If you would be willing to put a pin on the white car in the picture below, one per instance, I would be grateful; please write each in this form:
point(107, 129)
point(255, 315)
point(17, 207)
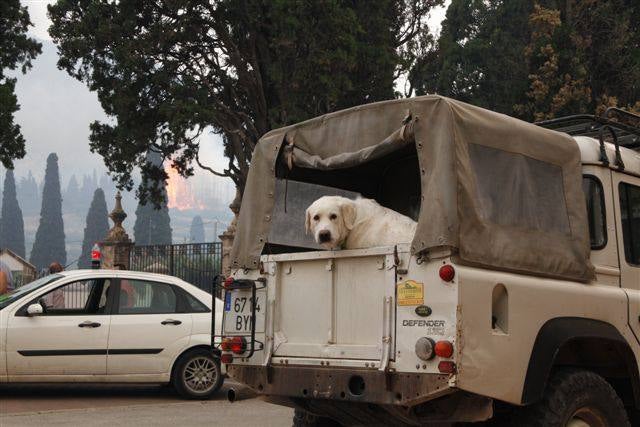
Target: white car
point(110, 326)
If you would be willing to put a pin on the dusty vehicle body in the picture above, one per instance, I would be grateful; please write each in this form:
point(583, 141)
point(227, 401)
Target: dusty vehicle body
point(508, 266)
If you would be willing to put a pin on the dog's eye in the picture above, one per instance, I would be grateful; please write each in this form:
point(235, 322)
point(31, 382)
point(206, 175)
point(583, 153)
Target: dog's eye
point(333, 216)
point(316, 217)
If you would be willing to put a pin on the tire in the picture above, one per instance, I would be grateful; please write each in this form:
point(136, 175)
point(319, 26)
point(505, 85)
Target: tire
point(303, 418)
point(197, 374)
point(574, 398)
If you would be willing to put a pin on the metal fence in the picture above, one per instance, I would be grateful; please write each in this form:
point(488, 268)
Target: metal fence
point(196, 263)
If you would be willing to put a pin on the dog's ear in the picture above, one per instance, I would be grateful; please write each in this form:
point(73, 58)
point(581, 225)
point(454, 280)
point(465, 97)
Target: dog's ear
point(307, 222)
point(348, 210)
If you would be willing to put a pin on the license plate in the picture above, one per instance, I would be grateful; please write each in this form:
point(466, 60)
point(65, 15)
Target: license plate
point(237, 309)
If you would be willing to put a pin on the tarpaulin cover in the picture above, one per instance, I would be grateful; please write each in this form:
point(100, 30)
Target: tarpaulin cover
point(500, 192)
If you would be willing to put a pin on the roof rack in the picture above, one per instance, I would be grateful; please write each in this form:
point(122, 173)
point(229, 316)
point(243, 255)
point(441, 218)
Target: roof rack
point(623, 125)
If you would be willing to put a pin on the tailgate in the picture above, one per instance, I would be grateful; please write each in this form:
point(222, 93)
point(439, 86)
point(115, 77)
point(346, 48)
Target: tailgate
point(331, 304)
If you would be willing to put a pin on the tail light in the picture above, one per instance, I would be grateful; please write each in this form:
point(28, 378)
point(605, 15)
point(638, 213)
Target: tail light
point(447, 367)
point(228, 282)
point(444, 349)
point(238, 345)
point(447, 272)
point(226, 358)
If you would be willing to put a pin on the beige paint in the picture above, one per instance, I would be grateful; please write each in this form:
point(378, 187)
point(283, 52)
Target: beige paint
point(614, 297)
point(630, 274)
point(495, 364)
point(605, 260)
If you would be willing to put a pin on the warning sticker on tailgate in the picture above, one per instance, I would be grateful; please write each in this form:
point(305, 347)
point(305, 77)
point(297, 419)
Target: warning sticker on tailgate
point(410, 292)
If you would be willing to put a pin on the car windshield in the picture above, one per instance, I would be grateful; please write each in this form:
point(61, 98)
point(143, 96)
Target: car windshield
point(14, 295)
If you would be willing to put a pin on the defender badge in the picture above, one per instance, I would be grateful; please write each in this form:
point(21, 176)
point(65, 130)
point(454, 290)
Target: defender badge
point(423, 310)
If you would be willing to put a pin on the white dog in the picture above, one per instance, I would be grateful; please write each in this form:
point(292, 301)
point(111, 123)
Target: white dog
point(337, 222)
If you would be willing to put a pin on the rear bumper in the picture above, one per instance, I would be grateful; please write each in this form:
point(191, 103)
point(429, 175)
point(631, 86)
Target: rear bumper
point(344, 384)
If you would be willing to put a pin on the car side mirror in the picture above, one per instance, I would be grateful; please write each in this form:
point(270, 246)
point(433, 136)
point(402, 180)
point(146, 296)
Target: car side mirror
point(34, 310)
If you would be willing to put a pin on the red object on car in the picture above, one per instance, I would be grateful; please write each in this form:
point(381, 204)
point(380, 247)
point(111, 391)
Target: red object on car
point(444, 349)
point(447, 273)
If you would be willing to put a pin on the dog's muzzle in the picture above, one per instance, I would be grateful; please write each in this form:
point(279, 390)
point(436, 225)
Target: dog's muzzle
point(324, 236)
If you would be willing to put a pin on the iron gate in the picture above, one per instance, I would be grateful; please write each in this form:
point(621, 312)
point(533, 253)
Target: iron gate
point(196, 263)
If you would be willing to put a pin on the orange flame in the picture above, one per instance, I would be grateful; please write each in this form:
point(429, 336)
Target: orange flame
point(179, 192)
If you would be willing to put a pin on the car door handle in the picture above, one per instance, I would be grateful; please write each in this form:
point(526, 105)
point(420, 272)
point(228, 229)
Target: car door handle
point(89, 324)
point(171, 322)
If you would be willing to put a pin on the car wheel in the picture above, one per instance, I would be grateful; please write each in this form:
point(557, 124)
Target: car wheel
point(575, 399)
point(197, 374)
point(302, 418)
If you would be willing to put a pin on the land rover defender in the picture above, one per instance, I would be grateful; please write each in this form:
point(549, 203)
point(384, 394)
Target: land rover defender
point(518, 299)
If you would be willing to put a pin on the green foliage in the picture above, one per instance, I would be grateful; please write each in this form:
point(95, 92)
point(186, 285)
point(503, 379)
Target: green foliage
point(16, 51)
point(49, 244)
point(96, 229)
point(11, 222)
point(536, 60)
point(478, 57)
point(153, 224)
point(168, 71)
point(607, 36)
point(196, 232)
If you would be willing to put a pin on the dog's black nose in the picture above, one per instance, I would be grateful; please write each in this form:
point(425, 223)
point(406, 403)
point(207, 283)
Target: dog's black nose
point(324, 236)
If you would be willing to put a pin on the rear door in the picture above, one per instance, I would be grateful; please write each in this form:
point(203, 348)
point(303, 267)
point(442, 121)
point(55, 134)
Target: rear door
point(333, 307)
point(627, 191)
point(148, 328)
point(69, 338)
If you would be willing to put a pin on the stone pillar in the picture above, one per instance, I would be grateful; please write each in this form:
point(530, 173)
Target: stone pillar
point(227, 237)
point(116, 247)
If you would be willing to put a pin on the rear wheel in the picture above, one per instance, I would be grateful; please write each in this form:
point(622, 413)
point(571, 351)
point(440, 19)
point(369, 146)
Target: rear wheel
point(197, 374)
point(575, 399)
point(303, 418)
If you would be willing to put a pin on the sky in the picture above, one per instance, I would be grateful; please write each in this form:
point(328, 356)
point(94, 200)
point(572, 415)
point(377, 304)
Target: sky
point(56, 110)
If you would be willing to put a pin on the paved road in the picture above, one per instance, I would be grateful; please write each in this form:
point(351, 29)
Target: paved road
point(89, 405)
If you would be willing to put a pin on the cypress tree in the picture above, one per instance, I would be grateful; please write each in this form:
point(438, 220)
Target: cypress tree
point(49, 244)
point(72, 198)
point(28, 195)
point(153, 225)
point(196, 233)
point(479, 55)
point(96, 229)
point(11, 222)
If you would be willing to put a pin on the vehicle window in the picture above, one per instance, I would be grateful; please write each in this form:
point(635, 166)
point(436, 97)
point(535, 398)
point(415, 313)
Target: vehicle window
point(518, 191)
point(142, 297)
point(630, 217)
point(594, 195)
point(81, 297)
point(194, 305)
point(16, 294)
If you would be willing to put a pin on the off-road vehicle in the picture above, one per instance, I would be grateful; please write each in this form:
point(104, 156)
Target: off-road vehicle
point(517, 301)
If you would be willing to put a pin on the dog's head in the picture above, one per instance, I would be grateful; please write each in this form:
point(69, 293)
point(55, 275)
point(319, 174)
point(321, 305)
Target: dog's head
point(329, 219)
